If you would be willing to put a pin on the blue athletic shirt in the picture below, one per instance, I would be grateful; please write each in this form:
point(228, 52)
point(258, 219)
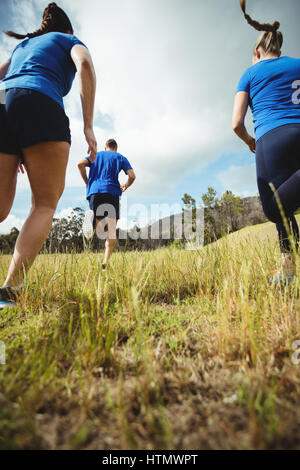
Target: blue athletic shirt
point(44, 64)
point(270, 86)
point(104, 173)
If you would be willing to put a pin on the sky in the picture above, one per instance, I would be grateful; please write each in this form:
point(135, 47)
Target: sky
point(167, 71)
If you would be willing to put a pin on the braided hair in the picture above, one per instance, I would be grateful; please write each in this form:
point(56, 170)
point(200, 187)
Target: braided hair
point(271, 40)
point(54, 19)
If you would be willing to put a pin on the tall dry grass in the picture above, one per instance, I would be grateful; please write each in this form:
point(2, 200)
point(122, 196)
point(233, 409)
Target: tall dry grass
point(167, 349)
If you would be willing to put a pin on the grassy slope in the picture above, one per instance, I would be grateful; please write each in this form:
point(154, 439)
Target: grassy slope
point(256, 233)
point(170, 349)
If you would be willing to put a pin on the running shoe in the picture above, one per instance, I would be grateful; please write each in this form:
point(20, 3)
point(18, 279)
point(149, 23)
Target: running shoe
point(4, 305)
point(8, 296)
point(280, 279)
point(87, 226)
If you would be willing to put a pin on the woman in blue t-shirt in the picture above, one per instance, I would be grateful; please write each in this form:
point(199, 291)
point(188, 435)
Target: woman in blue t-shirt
point(271, 88)
point(34, 128)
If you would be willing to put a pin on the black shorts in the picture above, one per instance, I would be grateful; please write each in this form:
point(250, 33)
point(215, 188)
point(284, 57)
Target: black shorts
point(105, 205)
point(29, 117)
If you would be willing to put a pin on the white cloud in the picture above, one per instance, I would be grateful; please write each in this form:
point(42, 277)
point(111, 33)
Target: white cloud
point(170, 116)
point(13, 221)
point(167, 72)
point(241, 180)
point(9, 223)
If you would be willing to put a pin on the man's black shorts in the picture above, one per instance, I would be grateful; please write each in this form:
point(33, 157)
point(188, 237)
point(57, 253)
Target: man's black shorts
point(105, 205)
point(29, 117)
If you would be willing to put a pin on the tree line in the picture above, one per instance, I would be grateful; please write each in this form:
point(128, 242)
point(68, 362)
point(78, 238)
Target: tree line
point(222, 215)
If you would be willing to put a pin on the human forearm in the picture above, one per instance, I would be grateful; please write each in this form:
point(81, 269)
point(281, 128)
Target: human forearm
point(242, 133)
point(130, 181)
point(241, 103)
point(87, 86)
point(82, 171)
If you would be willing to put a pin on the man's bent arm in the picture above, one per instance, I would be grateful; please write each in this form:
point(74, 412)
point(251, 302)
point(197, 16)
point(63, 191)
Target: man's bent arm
point(82, 169)
point(131, 179)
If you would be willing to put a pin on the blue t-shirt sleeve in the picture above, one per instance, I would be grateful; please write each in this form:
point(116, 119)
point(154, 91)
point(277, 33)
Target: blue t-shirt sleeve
point(77, 41)
point(125, 165)
point(11, 55)
point(88, 159)
point(244, 83)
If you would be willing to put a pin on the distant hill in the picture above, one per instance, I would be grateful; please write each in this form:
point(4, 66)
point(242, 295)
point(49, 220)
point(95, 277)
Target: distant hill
point(158, 233)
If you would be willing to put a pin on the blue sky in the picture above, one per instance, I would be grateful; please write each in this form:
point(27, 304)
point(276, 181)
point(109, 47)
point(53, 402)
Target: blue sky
point(167, 72)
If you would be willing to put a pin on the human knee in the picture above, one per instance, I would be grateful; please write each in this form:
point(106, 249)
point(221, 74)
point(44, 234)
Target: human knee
point(272, 212)
point(45, 209)
point(47, 203)
point(111, 241)
point(3, 214)
point(273, 216)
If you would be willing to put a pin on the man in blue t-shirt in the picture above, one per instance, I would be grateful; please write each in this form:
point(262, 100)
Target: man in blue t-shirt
point(103, 193)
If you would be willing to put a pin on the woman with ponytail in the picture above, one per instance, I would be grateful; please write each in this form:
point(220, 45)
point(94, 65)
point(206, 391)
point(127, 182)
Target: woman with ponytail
point(34, 128)
point(268, 87)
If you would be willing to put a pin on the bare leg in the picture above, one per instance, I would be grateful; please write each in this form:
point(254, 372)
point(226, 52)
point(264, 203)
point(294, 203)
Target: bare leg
point(109, 248)
point(288, 264)
point(46, 167)
point(8, 170)
point(109, 226)
point(111, 239)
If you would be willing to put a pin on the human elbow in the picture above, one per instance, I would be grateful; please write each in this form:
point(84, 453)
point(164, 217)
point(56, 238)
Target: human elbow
point(85, 66)
point(237, 126)
point(83, 61)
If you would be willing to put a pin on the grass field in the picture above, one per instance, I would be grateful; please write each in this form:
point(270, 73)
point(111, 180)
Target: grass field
point(168, 349)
